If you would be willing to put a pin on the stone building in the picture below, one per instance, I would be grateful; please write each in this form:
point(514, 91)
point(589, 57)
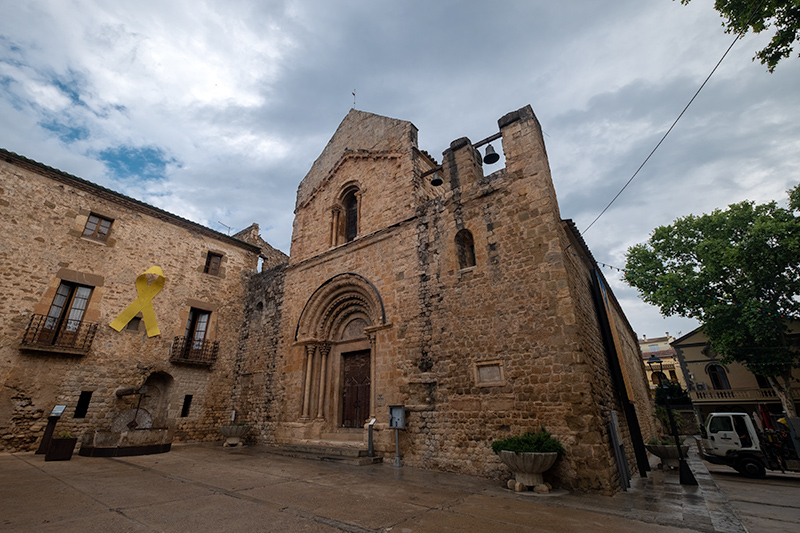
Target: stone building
point(473, 305)
point(74, 257)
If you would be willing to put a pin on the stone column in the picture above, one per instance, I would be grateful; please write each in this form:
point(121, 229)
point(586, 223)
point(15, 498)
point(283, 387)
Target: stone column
point(358, 212)
point(324, 350)
point(372, 373)
point(307, 392)
point(335, 226)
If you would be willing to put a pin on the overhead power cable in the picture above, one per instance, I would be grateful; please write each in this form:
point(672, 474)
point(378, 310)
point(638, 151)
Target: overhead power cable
point(738, 36)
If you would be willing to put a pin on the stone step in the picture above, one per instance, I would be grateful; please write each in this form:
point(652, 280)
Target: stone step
point(350, 436)
point(343, 453)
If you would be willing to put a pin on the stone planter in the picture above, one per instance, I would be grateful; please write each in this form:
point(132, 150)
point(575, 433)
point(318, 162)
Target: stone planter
point(233, 434)
point(528, 467)
point(668, 453)
point(60, 449)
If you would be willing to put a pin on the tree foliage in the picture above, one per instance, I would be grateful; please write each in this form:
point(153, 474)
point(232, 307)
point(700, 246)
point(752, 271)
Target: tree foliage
point(672, 391)
point(736, 271)
point(760, 15)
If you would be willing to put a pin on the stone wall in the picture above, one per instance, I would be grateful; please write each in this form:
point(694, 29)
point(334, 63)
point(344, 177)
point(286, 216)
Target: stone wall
point(475, 353)
point(42, 216)
point(257, 393)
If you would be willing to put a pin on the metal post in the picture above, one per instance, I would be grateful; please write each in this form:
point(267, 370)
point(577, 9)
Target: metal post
point(370, 447)
point(48, 434)
point(686, 476)
point(397, 462)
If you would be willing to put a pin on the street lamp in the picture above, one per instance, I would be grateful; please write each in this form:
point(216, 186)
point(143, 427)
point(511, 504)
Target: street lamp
point(686, 476)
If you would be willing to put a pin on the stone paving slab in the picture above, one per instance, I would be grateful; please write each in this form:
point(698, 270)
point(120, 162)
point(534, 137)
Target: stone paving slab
point(206, 487)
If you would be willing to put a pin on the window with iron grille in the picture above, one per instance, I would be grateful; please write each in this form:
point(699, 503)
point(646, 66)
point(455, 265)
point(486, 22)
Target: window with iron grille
point(195, 347)
point(63, 327)
point(97, 228)
point(66, 311)
point(213, 262)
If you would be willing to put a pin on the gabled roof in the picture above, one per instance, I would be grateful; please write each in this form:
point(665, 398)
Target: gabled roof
point(358, 131)
point(684, 340)
point(108, 194)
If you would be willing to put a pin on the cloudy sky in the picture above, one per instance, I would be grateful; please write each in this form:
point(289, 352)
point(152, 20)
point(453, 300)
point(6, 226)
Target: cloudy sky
point(215, 110)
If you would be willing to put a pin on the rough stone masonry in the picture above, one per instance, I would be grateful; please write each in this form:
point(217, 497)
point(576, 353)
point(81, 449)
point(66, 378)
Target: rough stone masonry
point(472, 305)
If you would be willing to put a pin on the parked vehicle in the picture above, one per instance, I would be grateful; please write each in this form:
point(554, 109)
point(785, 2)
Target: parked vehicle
point(752, 445)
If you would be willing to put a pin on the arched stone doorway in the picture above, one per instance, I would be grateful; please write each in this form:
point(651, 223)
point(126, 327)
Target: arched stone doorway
point(336, 329)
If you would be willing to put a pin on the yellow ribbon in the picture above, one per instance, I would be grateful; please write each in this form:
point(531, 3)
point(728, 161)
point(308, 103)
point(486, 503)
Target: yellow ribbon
point(144, 303)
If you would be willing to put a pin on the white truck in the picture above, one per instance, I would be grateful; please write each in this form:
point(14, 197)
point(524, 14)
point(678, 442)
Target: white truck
point(751, 446)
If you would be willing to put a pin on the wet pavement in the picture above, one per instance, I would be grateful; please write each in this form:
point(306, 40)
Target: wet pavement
point(769, 505)
point(205, 487)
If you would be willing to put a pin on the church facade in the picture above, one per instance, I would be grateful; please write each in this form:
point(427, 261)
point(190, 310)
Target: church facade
point(471, 306)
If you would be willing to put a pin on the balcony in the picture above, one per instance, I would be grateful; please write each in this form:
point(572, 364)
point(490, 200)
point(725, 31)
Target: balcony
point(192, 352)
point(737, 396)
point(44, 334)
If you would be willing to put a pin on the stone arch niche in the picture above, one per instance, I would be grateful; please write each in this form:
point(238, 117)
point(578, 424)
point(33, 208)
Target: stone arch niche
point(336, 329)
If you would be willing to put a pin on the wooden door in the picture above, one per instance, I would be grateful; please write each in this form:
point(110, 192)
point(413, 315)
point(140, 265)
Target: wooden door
point(355, 390)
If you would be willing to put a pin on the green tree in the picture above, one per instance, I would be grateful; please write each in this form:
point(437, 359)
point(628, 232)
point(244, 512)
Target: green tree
point(759, 15)
point(736, 271)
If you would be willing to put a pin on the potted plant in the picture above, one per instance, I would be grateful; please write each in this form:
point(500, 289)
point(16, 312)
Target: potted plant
point(61, 447)
point(663, 446)
point(233, 433)
point(528, 456)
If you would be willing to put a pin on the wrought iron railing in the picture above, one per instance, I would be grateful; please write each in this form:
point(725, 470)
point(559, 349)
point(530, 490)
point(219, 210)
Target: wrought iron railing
point(47, 333)
point(190, 351)
point(737, 395)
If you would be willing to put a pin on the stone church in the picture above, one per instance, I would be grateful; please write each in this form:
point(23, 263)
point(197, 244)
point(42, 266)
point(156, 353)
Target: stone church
point(458, 295)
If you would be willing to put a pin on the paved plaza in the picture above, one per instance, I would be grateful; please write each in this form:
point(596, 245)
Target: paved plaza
point(205, 487)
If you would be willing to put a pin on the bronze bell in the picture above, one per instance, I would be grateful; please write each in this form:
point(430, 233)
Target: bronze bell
point(491, 156)
point(436, 180)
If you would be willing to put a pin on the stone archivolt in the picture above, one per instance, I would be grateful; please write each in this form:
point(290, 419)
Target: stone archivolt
point(335, 303)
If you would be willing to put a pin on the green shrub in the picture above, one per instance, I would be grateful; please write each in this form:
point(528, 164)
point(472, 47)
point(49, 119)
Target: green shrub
point(677, 396)
point(663, 419)
point(541, 442)
point(662, 441)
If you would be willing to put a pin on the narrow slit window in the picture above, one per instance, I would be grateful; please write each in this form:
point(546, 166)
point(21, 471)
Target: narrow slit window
point(187, 404)
point(83, 404)
point(465, 249)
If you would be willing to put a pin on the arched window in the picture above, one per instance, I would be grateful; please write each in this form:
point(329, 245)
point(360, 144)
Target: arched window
point(763, 383)
point(718, 376)
point(350, 206)
point(657, 378)
point(465, 249)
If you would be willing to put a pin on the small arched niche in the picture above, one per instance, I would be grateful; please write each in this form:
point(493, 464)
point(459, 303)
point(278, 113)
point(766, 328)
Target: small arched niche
point(465, 249)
